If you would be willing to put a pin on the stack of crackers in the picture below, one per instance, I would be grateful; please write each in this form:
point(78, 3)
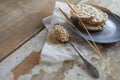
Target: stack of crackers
point(93, 18)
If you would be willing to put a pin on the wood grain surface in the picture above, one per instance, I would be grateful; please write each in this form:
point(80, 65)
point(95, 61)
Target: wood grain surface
point(20, 20)
point(58, 75)
point(26, 65)
point(33, 59)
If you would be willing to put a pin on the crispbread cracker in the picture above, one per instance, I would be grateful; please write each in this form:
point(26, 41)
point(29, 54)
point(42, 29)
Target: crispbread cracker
point(92, 27)
point(90, 14)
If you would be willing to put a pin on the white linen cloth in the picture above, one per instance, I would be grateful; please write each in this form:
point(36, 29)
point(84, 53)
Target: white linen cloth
point(53, 52)
point(56, 55)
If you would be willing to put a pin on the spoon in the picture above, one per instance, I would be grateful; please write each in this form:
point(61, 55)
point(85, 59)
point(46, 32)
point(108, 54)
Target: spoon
point(90, 68)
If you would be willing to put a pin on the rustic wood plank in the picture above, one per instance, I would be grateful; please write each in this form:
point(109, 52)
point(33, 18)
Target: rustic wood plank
point(58, 75)
point(20, 20)
point(26, 65)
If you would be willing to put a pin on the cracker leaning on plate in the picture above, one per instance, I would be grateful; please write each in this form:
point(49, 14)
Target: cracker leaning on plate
point(93, 18)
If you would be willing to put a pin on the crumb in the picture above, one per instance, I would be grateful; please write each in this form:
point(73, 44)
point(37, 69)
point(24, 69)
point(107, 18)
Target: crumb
point(60, 45)
point(69, 49)
point(93, 59)
point(17, 57)
point(66, 72)
point(83, 68)
point(79, 65)
point(78, 74)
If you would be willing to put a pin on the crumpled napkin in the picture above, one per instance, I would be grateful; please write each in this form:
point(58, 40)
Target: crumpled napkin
point(53, 53)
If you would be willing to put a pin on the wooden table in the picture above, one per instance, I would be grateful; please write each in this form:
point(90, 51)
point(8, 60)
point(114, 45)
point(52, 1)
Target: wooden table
point(22, 34)
point(20, 20)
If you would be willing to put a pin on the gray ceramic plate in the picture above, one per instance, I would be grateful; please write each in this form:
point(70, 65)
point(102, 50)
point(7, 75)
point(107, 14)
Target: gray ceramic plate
point(110, 34)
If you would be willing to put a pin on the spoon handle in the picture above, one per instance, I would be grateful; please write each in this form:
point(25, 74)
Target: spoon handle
point(91, 69)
